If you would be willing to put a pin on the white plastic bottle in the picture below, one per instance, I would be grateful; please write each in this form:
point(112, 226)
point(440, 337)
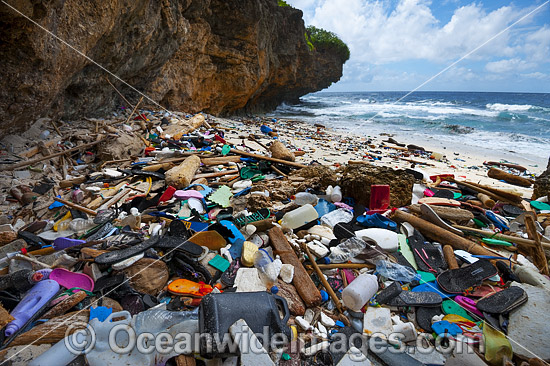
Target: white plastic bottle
point(299, 217)
point(336, 194)
point(360, 291)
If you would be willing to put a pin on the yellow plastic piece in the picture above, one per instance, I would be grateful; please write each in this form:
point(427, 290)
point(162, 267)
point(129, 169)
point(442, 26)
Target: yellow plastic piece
point(496, 345)
point(67, 216)
point(247, 256)
point(210, 239)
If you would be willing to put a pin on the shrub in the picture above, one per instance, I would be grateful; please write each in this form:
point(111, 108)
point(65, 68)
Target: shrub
point(323, 40)
point(283, 3)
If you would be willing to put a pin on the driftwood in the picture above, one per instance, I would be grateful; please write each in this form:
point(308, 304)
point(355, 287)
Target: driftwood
point(303, 283)
point(439, 234)
point(279, 151)
point(182, 175)
point(486, 200)
point(489, 191)
point(450, 258)
point(509, 178)
point(267, 158)
point(447, 213)
point(75, 206)
point(51, 156)
point(539, 258)
point(507, 165)
point(221, 160)
point(512, 239)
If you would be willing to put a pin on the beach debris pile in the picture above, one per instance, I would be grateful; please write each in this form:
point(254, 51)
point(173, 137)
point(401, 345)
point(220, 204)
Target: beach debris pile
point(220, 242)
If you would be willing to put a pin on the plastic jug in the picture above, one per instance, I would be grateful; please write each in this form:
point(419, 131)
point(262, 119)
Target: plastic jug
point(217, 312)
point(299, 217)
point(360, 291)
point(37, 297)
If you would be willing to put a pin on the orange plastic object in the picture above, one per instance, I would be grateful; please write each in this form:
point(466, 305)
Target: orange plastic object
point(189, 288)
point(210, 239)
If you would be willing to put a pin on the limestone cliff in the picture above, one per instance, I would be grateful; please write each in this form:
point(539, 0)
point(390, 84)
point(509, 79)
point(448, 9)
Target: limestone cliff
point(216, 56)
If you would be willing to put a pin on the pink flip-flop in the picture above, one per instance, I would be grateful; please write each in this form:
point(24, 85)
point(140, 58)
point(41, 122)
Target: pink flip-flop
point(70, 279)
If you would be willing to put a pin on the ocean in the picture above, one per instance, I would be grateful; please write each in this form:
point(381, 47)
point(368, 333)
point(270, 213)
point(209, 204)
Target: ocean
point(517, 123)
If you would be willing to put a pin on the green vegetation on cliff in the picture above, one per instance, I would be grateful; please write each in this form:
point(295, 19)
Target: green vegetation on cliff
point(283, 3)
point(324, 40)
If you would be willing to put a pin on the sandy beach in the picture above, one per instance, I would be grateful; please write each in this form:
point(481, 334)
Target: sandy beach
point(331, 147)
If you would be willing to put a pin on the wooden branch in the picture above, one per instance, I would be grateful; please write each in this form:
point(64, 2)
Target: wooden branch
point(509, 178)
point(512, 239)
point(267, 158)
point(75, 206)
point(217, 174)
point(51, 156)
point(539, 258)
point(303, 283)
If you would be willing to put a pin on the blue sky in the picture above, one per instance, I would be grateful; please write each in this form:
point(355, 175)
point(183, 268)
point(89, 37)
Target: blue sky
point(399, 44)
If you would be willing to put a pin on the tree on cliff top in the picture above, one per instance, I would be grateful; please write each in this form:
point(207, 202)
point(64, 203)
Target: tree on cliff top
point(324, 40)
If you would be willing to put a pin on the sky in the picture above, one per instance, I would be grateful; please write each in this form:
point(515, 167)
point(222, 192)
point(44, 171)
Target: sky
point(400, 44)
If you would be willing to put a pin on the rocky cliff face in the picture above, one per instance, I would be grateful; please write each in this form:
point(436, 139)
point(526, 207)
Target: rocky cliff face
point(216, 56)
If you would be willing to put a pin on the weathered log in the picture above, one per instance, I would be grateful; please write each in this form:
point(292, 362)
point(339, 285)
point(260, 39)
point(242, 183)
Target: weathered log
point(447, 213)
point(267, 158)
point(221, 160)
point(439, 234)
point(450, 258)
point(509, 178)
point(303, 283)
point(182, 175)
point(487, 201)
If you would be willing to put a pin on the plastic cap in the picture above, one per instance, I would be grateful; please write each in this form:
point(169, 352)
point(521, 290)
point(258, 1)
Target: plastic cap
point(324, 296)
point(274, 289)
point(340, 324)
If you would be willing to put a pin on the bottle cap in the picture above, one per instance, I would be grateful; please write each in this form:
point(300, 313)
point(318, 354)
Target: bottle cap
point(274, 290)
point(324, 296)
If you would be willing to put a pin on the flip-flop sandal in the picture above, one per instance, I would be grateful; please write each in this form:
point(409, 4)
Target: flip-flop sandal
point(388, 293)
point(469, 258)
point(452, 307)
point(402, 260)
point(259, 215)
point(108, 282)
point(179, 229)
point(194, 267)
point(443, 193)
point(512, 211)
point(429, 214)
point(424, 316)
point(484, 291)
point(210, 239)
point(122, 254)
point(410, 298)
point(428, 257)
point(377, 221)
point(497, 221)
point(457, 281)
point(70, 279)
point(100, 232)
point(506, 272)
point(503, 301)
point(469, 305)
point(174, 243)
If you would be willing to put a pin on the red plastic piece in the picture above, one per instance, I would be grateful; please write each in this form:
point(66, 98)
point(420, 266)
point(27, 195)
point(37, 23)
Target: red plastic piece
point(379, 198)
point(167, 194)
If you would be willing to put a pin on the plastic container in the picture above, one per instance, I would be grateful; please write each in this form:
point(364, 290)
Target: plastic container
point(260, 311)
point(336, 194)
point(379, 197)
point(267, 270)
point(37, 296)
point(360, 291)
point(396, 271)
point(299, 217)
point(346, 250)
point(303, 198)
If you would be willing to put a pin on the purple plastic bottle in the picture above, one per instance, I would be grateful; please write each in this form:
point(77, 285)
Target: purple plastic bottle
point(37, 296)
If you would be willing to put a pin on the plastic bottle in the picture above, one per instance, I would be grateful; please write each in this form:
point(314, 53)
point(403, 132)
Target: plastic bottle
point(267, 270)
point(299, 217)
point(336, 194)
point(303, 198)
point(360, 291)
point(396, 271)
point(80, 225)
point(346, 250)
point(337, 216)
point(37, 296)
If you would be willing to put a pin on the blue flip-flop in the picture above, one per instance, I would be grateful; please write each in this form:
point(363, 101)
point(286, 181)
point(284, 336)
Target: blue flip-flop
point(377, 220)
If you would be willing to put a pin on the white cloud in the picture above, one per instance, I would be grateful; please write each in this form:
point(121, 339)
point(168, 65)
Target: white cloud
point(536, 75)
point(378, 34)
point(509, 65)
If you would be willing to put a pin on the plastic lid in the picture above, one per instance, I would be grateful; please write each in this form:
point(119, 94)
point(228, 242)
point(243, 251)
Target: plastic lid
point(324, 296)
point(226, 149)
point(274, 289)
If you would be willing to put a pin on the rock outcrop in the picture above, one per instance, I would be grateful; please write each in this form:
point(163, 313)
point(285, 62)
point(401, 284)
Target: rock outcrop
point(216, 56)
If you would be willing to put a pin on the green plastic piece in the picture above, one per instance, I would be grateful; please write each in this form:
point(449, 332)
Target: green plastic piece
point(479, 223)
point(220, 263)
point(405, 249)
point(496, 242)
point(426, 277)
point(457, 195)
point(543, 206)
point(226, 149)
point(249, 172)
point(451, 307)
point(221, 196)
point(285, 357)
